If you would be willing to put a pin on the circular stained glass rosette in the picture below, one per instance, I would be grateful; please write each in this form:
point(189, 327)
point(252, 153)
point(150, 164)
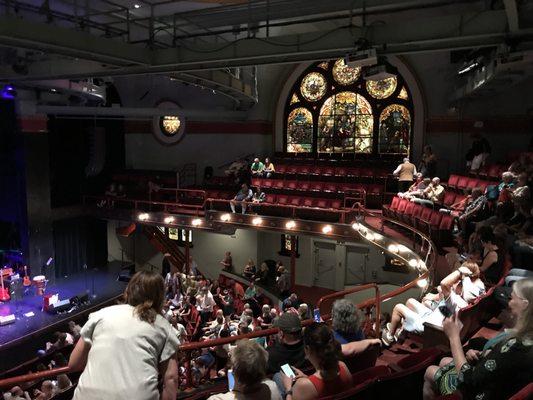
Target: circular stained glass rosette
point(381, 89)
point(313, 86)
point(344, 74)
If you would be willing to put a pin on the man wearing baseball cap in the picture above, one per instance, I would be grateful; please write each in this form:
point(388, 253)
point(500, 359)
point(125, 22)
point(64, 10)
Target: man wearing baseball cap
point(289, 348)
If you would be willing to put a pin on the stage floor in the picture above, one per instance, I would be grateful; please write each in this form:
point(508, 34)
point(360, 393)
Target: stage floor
point(106, 287)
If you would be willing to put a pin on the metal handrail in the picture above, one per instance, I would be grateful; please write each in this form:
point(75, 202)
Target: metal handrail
point(17, 380)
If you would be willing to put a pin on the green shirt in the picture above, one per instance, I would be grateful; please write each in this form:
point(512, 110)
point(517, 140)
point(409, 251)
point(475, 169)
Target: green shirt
point(259, 166)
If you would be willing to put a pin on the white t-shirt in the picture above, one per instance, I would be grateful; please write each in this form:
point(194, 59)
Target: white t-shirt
point(124, 356)
point(268, 391)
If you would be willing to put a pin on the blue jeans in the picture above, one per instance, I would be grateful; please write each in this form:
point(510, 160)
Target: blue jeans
point(279, 382)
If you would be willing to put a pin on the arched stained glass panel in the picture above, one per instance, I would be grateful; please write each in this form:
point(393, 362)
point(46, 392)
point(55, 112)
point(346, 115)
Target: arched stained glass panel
point(345, 124)
point(383, 88)
point(403, 94)
point(323, 65)
point(394, 130)
point(300, 131)
point(344, 74)
point(313, 86)
point(294, 99)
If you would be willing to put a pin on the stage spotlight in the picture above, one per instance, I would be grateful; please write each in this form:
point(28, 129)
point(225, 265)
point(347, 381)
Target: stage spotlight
point(290, 225)
point(169, 220)
point(327, 229)
point(196, 222)
point(136, 6)
point(143, 216)
point(393, 248)
point(257, 221)
point(9, 92)
point(413, 262)
point(422, 283)
point(225, 217)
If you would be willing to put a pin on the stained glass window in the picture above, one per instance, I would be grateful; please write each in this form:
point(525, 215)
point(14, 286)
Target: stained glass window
point(345, 124)
point(313, 86)
point(394, 129)
point(381, 89)
point(300, 131)
point(344, 74)
point(333, 109)
point(294, 99)
point(403, 94)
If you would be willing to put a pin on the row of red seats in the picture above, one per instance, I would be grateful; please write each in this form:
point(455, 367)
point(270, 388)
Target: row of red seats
point(437, 225)
point(493, 171)
point(460, 182)
point(306, 186)
point(328, 170)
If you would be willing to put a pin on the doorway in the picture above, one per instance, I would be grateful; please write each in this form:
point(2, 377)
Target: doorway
point(324, 264)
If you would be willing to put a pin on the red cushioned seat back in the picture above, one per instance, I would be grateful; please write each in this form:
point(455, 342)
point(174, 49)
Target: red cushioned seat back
point(360, 362)
point(282, 199)
point(494, 171)
point(394, 203)
point(417, 211)
point(318, 186)
point(278, 184)
point(425, 215)
point(408, 212)
point(322, 203)
point(308, 202)
point(462, 182)
point(330, 187)
point(256, 182)
point(435, 218)
point(366, 172)
point(472, 183)
point(352, 171)
point(294, 201)
point(304, 185)
point(482, 184)
point(340, 171)
point(524, 394)
point(270, 198)
point(291, 185)
point(328, 171)
point(281, 168)
point(449, 198)
point(452, 181)
point(292, 169)
point(304, 169)
point(402, 205)
point(316, 170)
point(446, 223)
point(336, 203)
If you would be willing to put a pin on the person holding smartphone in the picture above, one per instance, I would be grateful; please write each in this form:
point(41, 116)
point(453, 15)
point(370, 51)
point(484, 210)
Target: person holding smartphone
point(247, 379)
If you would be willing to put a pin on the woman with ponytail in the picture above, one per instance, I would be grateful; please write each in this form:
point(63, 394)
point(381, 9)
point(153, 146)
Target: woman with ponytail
point(331, 376)
point(126, 351)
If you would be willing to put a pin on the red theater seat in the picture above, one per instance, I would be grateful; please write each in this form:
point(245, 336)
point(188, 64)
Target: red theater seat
point(336, 203)
point(294, 201)
point(281, 168)
point(256, 182)
point(472, 183)
point(330, 187)
point(270, 198)
point(352, 172)
point(267, 183)
point(329, 171)
point(494, 171)
point(292, 169)
point(388, 210)
point(417, 211)
point(462, 182)
point(304, 185)
point(282, 199)
point(308, 202)
point(484, 184)
point(322, 203)
point(401, 208)
point(316, 170)
point(317, 186)
point(305, 169)
point(340, 171)
point(424, 217)
point(452, 181)
point(291, 185)
point(449, 198)
point(408, 213)
point(278, 184)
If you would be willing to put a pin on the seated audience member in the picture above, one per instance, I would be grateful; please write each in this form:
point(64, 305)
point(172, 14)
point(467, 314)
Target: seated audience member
point(262, 274)
point(332, 375)
point(291, 302)
point(257, 167)
point(303, 312)
point(507, 181)
point(501, 369)
point(474, 211)
point(258, 197)
point(269, 168)
point(243, 195)
point(289, 347)
point(63, 382)
point(212, 328)
point(134, 336)
point(192, 267)
point(492, 261)
point(47, 391)
point(457, 208)
point(16, 393)
point(346, 321)
point(265, 319)
point(458, 289)
point(227, 262)
point(521, 198)
point(228, 303)
point(283, 281)
point(417, 188)
point(249, 269)
point(62, 339)
point(250, 292)
point(249, 366)
point(434, 193)
point(74, 329)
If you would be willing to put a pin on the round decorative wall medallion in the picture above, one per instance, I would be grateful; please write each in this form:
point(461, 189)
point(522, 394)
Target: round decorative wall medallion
point(168, 129)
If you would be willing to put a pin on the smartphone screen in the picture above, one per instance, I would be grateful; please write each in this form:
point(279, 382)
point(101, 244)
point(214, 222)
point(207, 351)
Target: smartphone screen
point(231, 380)
point(316, 315)
point(287, 370)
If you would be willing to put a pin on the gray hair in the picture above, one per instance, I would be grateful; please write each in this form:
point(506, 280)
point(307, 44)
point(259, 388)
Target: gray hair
point(249, 362)
point(346, 317)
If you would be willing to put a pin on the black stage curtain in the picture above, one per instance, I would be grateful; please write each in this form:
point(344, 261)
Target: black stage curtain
point(79, 241)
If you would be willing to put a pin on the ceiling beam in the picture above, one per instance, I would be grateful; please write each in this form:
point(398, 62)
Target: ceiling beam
point(16, 32)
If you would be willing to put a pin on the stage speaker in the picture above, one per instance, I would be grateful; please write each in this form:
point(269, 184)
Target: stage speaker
point(60, 306)
point(8, 319)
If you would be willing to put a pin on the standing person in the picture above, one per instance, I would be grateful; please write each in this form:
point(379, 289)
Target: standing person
point(405, 172)
point(205, 303)
point(124, 348)
point(227, 262)
point(193, 267)
point(283, 281)
point(428, 163)
point(478, 153)
point(165, 265)
point(243, 195)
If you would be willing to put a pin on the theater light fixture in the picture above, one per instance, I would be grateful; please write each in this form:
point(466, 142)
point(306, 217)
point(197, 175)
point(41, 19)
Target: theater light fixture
point(402, 248)
point(413, 262)
point(422, 265)
point(143, 217)
point(377, 236)
point(196, 222)
point(422, 283)
point(169, 220)
point(356, 226)
point(370, 236)
point(327, 229)
point(257, 221)
point(393, 248)
point(290, 225)
point(225, 217)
